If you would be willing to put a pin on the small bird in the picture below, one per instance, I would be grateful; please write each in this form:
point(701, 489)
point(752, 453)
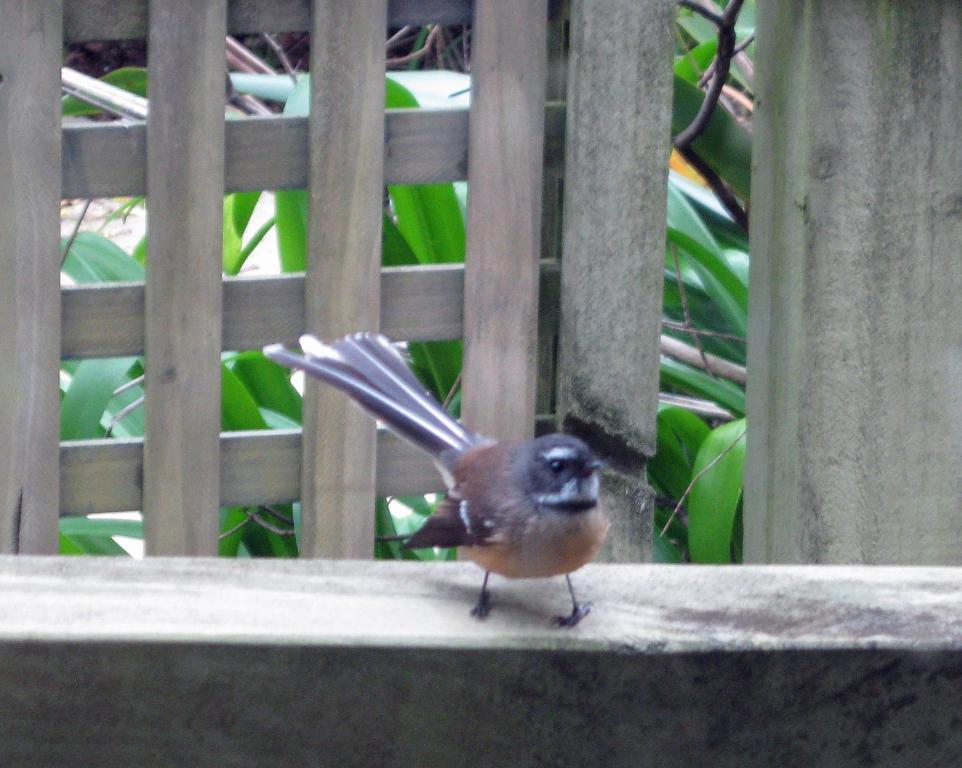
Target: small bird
point(520, 508)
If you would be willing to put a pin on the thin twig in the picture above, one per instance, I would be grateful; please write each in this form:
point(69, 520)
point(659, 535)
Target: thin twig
point(684, 306)
point(244, 58)
point(696, 405)
point(124, 413)
point(128, 385)
point(269, 526)
point(452, 392)
point(685, 327)
point(719, 186)
point(701, 10)
point(395, 40)
point(274, 511)
point(234, 529)
point(281, 55)
point(723, 61)
point(420, 53)
point(720, 367)
point(696, 478)
point(73, 235)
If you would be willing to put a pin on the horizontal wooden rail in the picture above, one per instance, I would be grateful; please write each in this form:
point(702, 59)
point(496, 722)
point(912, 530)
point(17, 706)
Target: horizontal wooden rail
point(109, 20)
point(423, 303)
point(256, 468)
point(421, 146)
point(732, 666)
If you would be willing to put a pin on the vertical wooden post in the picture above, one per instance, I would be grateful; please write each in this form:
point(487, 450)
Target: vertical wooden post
point(185, 189)
point(618, 141)
point(343, 266)
point(30, 50)
point(855, 334)
point(508, 66)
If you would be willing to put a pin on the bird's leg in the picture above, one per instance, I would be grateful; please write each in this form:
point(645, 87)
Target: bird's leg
point(483, 606)
point(578, 610)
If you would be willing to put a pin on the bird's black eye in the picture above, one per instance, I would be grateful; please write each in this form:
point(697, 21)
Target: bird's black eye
point(556, 466)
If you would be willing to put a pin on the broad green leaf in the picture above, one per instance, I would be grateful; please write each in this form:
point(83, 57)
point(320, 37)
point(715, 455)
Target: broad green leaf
point(715, 497)
point(133, 79)
point(239, 409)
point(679, 377)
point(101, 527)
point(238, 209)
point(91, 388)
point(70, 547)
point(94, 259)
point(724, 144)
point(692, 64)
point(679, 436)
point(268, 384)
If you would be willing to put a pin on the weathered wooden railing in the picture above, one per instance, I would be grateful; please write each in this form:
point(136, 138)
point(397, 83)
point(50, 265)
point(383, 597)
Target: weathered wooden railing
point(229, 663)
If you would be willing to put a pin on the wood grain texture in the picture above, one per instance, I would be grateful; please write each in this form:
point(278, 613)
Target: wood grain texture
point(110, 20)
point(255, 468)
point(421, 147)
point(29, 263)
point(618, 136)
point(420, 303)
point(364, 664)
point(342, 283)
point(855, 322)
point(185, 171)
point(508, 70)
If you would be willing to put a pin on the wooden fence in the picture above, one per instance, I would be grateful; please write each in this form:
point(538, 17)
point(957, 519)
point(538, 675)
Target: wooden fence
point(183, 469)
point(743, 666)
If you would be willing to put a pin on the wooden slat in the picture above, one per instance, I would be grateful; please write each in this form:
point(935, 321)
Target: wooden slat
point(270, 662)
point(421, 147)
point(30, 33)
point(110, 20)
point(422, 303)
point(256, 468)
point(508, 68)
point(342, 293)
point(185, 166)
point(855, 385)
point(614, 254)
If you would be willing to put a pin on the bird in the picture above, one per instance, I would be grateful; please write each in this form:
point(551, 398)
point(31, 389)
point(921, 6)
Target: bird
point(517, 508)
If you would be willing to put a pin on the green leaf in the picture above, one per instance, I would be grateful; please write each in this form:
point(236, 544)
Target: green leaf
point(715, 497)
point(692, 64)
point(688, 234)
point(101, 527)
point(680, 434)
point(268, 384)
point(94, 259)
point(679, 377)
point(70, 547)
point(238, 209)
point(91, 388)
point(133, 79)
point(239, 409)
point(724, 144)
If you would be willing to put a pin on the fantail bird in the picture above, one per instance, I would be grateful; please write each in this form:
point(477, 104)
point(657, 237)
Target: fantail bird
point(522, 509)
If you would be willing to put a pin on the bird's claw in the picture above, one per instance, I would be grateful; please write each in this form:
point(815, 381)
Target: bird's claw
point(572, 619)
point(483, 607)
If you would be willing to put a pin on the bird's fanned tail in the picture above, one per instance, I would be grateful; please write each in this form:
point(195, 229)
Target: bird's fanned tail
point(369, 369)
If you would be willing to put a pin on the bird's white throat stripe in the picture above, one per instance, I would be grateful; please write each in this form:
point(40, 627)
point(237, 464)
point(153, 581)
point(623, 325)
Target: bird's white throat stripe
point(572, 491)
point(560, 452)
point(463, 513)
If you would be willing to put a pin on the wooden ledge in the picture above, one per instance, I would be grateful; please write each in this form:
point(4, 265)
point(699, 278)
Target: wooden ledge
point(237, 663)
point(637, 608)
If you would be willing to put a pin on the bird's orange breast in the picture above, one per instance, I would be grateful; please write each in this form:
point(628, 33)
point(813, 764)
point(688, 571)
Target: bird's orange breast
point(549, 544)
